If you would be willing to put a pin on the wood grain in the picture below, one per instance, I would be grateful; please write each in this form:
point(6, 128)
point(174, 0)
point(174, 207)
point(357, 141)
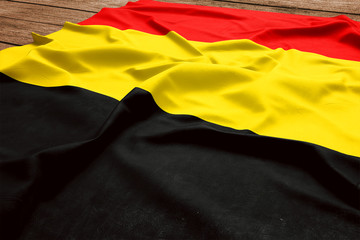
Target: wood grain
point(18, 18)
point(89, 5)
point(18, 32)
point(5, 45)
point(339, 6)
point(40, 13)
point(266, 8)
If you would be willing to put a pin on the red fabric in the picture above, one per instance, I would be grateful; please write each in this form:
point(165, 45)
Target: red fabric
point(337, 37)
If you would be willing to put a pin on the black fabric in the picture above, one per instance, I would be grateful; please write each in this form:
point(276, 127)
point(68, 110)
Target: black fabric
point(142, 173)
point(32, 120)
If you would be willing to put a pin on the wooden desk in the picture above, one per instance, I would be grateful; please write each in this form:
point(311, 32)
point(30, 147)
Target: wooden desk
point(18, 18)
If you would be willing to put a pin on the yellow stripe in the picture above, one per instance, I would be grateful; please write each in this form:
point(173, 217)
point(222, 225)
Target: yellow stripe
point(238, 83)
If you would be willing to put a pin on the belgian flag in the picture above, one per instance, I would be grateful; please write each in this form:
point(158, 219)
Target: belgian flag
point(172, 121)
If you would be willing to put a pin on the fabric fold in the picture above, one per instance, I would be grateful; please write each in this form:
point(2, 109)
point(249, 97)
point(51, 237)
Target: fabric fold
point(271, 92)
point(156, 172)
point(172, 121)
point(306, 33)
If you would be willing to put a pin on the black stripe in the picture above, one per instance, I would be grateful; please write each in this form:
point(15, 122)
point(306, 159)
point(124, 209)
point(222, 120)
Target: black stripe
point(147, 174)
point(32, 119)
point(43, 117)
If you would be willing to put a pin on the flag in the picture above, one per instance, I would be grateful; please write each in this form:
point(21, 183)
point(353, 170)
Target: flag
point(172, 121)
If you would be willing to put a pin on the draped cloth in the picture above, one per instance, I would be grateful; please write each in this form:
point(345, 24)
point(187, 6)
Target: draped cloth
point(173, 121)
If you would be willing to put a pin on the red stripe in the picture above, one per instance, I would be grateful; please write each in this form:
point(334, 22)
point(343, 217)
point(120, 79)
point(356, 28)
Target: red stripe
point(337, 37)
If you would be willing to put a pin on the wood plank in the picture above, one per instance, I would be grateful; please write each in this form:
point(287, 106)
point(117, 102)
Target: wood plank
point(5, 45)
point(18, 20)
point(18, 32)
point(41, 14)
point(89, 5)
point(339, 6)
point(230, 4)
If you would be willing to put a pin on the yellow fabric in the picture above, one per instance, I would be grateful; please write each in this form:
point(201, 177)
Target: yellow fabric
point(237, 83)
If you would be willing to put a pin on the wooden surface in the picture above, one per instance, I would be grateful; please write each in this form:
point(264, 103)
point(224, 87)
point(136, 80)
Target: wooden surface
point(18, 18)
